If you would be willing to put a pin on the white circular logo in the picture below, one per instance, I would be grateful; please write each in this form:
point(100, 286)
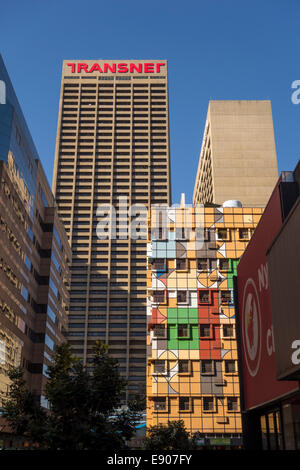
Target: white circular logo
point(251, 329)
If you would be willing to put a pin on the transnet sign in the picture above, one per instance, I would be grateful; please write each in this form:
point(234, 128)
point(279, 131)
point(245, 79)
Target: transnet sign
point(125, 67)
point(255, 314)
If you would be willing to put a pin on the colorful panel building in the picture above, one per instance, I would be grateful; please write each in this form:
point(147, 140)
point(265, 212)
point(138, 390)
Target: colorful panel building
point(192, 370)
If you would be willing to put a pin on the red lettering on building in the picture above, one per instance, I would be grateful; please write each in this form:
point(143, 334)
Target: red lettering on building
point(95, 68)
point(137, 68)
point(117, 68)
point(158, 66)
point(107, 67)
point(72, 65)
point(122, 68)
point(82, 67)
point(148, 68)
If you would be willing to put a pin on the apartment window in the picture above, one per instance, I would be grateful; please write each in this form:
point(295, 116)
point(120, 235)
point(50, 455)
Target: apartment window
point(159, 264)
point(228, 331)
point(179, 231)
point(223, 234)
point(207, 367)
point(202, 264)
point(183, 367)
point(160, 232)
point(183, 331)
point(205, 331)
point(203, 296)
point(182, 296)
point(159, 331)
point(224, 264)
point(185, 404)
point(181, 264)
point(159, 367)
point(208, 404)
point(243, 234)
point(232, 403)
point(158, 296)
point(225, 297)
point(230, 367)
point(160, 404)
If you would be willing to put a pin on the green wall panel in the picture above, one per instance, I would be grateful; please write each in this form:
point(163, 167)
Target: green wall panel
point(175, 343)
point(232, 272)
point(183, 315)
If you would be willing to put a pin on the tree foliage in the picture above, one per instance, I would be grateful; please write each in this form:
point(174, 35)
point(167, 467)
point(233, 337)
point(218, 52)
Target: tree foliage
point(84, 410)
point(172, 436)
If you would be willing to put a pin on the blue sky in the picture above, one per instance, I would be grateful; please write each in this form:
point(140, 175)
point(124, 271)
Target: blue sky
point(228, 49)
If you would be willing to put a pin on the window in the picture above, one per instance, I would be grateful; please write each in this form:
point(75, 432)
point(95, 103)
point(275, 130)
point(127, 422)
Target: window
point(159, 331)
point(49, 342)
point(182, 296)
point(206, 234)
point(76, 325)
point(44, 199)
point(25, 293)
point(202, 264)
point(51, 314)
point(179, 233)
point(243, 234)
point(205, 331)
point(232, 404)
point(207, 367)
point(224, 264)
point(183, 367)
point(222, 234)
point(183, 331)
point(55, 262)
point(160, 232)
point(208, 404)
point(181, 264)
point(53, 287)
point(184, 404)
point(160, 404)
point(230, 366)
point(159, 264)
point(158, 296)
point(203, 296)
point(228, 331)
point(225, 297)
point(18, 136)
point(159, 367)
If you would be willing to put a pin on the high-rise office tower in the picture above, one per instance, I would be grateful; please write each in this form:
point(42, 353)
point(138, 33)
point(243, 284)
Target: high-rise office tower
point(34, 255)
point(112, 141)
point(238, 156)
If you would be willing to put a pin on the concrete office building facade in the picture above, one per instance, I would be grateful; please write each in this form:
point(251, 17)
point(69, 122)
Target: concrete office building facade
point(112, 141)
point(34, 254)
point(238, 156)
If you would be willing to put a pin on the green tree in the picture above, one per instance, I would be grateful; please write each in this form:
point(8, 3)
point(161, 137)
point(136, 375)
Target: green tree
point(172, 436)
point(84, 410)
point(22, 409)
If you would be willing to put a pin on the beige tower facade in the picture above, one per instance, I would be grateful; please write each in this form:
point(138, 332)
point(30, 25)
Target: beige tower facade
point(112, 141)
point(238, 155)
